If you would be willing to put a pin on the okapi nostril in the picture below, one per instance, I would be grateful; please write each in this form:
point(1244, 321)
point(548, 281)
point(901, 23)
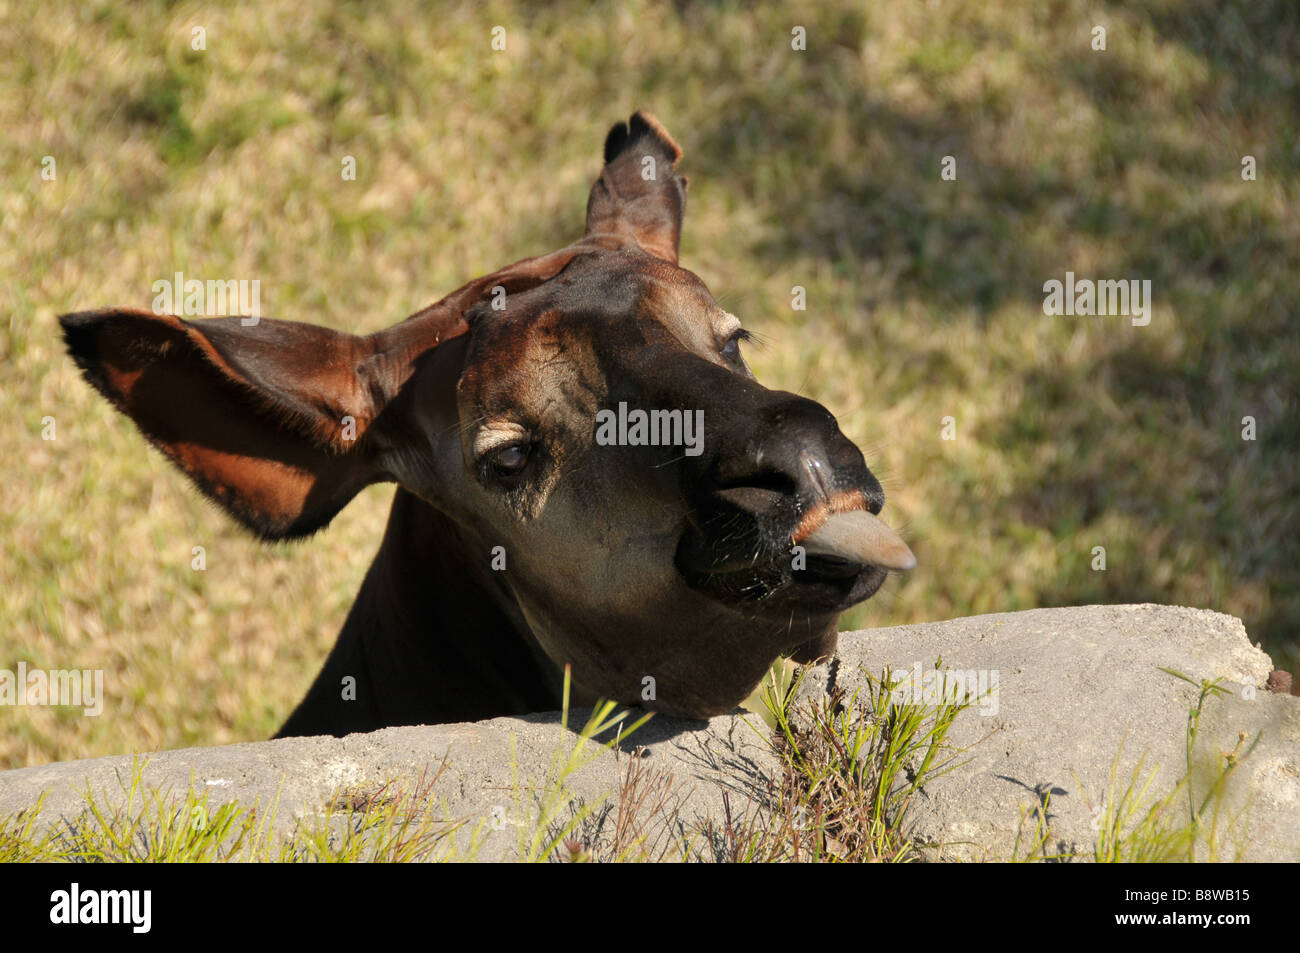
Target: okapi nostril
point(816, 473)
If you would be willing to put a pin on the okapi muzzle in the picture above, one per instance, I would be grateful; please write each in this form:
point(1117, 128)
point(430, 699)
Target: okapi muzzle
point(588, 474)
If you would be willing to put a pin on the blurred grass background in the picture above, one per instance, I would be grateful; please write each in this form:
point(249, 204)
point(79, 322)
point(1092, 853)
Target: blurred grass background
point(816, 168)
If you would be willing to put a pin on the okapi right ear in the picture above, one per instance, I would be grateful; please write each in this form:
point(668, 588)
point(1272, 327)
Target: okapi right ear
point(270, 420)
point(638, 198)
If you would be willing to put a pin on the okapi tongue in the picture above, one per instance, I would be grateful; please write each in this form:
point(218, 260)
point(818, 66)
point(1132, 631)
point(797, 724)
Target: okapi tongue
point(859, 537)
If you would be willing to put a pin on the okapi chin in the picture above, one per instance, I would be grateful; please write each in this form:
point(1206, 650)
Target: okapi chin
point(522, 538)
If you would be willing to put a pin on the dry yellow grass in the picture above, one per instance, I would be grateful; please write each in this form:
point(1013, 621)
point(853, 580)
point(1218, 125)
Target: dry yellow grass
point(816, 168)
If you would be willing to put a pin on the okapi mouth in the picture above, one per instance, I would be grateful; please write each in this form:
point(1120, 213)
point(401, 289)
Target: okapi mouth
point(830, 558)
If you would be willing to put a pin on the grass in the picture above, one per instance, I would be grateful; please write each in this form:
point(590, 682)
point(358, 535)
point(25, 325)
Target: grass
point(850, 765)
point(1134, 825)
point(818, 169)
point(1138, 828)
point(142, 824)
point(547, 830)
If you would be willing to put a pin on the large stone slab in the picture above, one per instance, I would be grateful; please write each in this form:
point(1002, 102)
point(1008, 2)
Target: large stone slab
point(1079, 691)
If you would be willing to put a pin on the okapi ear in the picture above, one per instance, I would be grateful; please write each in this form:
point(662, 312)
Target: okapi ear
point(269, 420)
point(638, 198)
point(277, 421)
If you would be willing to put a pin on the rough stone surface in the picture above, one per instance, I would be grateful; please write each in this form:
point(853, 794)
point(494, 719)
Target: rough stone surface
point(495, 773)
point(1079, 690)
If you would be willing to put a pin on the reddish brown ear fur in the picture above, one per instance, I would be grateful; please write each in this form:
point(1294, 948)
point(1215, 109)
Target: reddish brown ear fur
point(254, 415)
point(257, 415)
point(627, 205)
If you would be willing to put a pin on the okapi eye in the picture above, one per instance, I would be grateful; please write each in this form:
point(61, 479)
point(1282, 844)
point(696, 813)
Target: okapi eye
point(731, 350)
point(507, 461)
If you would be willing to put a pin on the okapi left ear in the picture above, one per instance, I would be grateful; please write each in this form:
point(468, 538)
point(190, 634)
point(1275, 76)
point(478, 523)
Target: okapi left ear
point(278, 422)
point(269, 420)
point(638, 198)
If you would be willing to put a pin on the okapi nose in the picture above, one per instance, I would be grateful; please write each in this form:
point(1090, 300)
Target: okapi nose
point(797, 450)
point(797, 461)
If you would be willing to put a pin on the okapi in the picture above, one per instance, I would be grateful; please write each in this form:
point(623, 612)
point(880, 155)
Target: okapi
point(518, 542)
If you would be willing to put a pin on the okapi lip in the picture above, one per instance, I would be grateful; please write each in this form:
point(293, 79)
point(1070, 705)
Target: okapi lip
point(816, 517)
point(822, 588)
point(830, 568)
point(764, 580)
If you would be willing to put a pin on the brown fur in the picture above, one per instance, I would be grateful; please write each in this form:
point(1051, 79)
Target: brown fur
point(637, 565)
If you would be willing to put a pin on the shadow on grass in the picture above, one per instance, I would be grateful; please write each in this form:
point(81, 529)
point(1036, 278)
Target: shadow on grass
point(1156, 189)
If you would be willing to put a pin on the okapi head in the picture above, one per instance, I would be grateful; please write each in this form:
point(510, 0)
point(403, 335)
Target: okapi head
point(588, 474)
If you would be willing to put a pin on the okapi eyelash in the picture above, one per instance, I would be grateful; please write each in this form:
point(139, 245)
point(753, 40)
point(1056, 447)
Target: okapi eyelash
point(752, 337)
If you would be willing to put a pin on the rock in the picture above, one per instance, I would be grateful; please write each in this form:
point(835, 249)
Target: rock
point(304, 777)
point(1078, 690)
